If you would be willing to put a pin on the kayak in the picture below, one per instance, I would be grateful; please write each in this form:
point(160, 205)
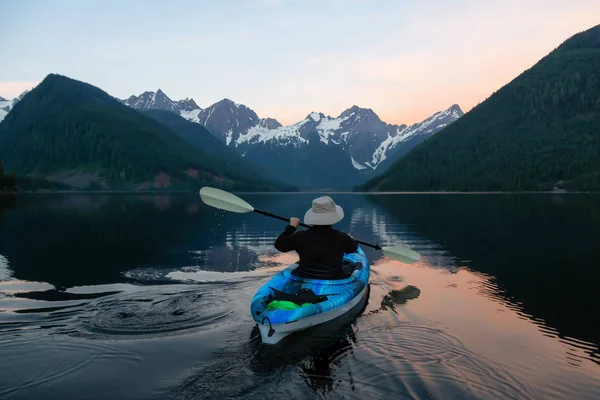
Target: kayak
point(295, 299)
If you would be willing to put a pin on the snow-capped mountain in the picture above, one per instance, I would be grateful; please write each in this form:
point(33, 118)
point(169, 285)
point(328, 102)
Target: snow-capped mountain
point(359, 131)
point(226, 119)
point(269, 123)
point(369, 144)
point(153, 101)
point(187, 105)
point(404, 138)
point(7, 105)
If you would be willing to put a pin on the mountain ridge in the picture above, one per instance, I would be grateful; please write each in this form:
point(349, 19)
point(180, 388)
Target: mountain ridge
point(370, 145)
point(7, 105)
point(536, 133)
point(358, 130)
point(72, 132)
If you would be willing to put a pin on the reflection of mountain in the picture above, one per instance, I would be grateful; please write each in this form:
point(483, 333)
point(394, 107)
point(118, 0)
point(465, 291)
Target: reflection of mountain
point(542, 249)
point(92, 239)
point(74, 240)
point(7, 202)
point(369, 221)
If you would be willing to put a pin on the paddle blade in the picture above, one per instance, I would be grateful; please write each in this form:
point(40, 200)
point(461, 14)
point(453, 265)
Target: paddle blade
point(224, 200)
point(401, 254)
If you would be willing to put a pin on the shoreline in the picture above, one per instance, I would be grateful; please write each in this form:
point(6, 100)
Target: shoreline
point(120, 192)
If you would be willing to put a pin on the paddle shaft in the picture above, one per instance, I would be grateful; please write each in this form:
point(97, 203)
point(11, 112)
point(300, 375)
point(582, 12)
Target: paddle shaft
point(268, 214)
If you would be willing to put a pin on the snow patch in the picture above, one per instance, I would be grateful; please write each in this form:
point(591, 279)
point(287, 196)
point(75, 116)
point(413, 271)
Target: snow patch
point(2, 114)
point(208, 116)
point(284, 134)
point(315, 116)
point(379, 155)
point(193, 116)
point(427, 127)
point(356, 164)
point(228, 137)
point(328, 124)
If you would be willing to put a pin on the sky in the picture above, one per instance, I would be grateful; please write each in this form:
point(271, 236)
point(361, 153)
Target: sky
point(286, 58)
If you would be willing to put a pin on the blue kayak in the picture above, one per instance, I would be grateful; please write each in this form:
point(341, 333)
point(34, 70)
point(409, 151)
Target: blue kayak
point(290, 301)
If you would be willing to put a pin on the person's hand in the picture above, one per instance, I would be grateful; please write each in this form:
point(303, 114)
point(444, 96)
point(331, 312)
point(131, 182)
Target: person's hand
point(294, 222)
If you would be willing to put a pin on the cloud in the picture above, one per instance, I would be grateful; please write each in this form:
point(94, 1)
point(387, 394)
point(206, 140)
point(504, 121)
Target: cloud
point(10, 90)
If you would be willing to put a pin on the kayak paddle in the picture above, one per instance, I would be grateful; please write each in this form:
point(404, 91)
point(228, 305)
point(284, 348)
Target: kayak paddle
point(229, 202)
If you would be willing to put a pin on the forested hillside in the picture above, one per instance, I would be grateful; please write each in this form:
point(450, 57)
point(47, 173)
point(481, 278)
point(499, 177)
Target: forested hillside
point(74, 133)
point(541, 131)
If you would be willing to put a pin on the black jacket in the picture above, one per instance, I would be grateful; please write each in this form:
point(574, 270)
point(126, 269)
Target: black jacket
point(318, 245)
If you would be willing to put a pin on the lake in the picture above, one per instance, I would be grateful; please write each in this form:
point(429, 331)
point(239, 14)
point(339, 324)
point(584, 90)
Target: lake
point(148, 296)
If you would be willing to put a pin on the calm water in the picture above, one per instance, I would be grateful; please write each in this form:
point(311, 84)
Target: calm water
point(147, 297)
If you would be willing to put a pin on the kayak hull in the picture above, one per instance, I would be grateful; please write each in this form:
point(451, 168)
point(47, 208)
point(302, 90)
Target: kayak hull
point(342, 296)
point(281, 331)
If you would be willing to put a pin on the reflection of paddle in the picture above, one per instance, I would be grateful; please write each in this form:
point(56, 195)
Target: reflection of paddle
point(226, 201)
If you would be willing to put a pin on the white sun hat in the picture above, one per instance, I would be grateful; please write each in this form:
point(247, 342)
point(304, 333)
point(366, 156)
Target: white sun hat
point(324, 211)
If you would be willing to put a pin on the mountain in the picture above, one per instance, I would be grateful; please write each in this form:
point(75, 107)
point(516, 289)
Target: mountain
point(74, 133)
point(358, 140)
point(357, 143)
point(152, 101)
point(538, 132)
point(187, 105)
point(21, 96)
point(406, 138)
point(269, 123)
point(200, 137)
point(358, 131)
point(7, 105)
point(226, 119)
point(308, 164)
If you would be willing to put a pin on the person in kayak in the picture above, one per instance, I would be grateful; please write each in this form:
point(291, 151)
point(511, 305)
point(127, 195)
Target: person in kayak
point(321, 247)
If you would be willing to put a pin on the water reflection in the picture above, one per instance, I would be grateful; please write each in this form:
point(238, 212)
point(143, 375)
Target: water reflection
point(315, 353)
point(399, 297)
point(252, 370)
point(519, 240)
point(503, 264)
point(542, 250)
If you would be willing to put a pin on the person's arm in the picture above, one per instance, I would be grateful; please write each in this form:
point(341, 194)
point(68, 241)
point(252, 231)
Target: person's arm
point(350, 245)
point(285, 242)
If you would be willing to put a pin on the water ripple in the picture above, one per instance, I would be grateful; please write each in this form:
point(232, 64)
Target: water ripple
point(427, 357)
point(137, 314)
